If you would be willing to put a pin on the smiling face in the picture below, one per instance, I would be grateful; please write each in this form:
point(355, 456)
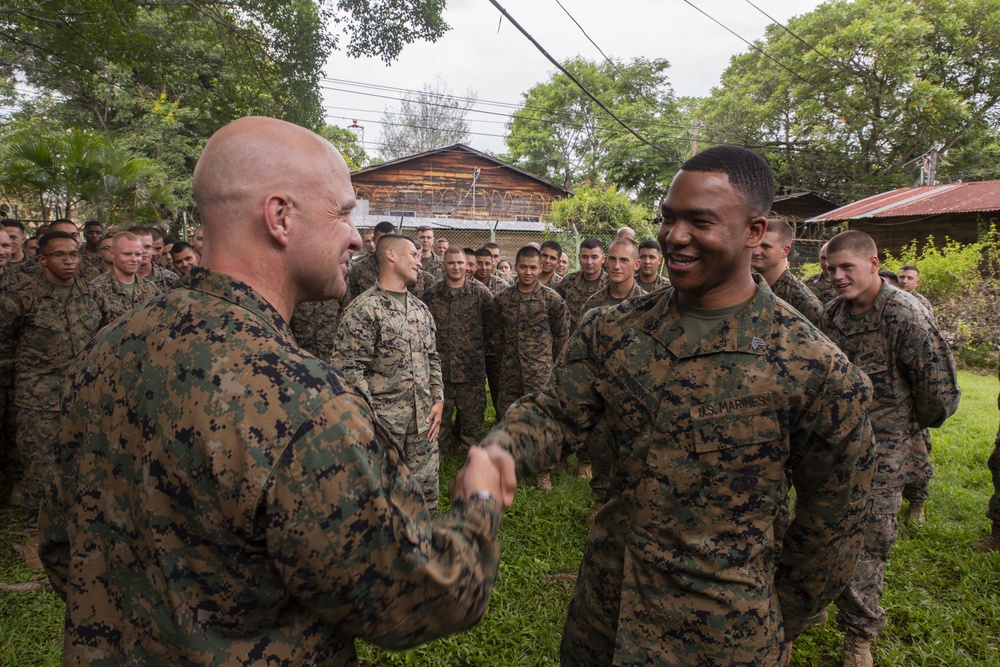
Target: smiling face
point(622, 263)
point(591, 262)
point(855, 277)
point(707, 236)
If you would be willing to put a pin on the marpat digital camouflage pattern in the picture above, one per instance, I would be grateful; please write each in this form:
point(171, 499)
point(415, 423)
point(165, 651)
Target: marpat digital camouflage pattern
point(315, 325)
point(794, 292)
point(575, 290)
point(119, 299)
point(225, 499)
point(915, 387)
point(531, 331)
point(464, 319)
point(390, 355)
point(679, 567)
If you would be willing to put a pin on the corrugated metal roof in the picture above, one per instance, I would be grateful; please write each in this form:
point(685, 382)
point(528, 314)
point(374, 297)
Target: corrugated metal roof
point(921, 201)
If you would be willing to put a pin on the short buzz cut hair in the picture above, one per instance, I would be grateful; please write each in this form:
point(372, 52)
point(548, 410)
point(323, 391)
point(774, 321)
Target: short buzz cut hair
point(180, 246)
point(11, 222)
point(526, 252)
point(387, 240)
point(384, 227)
point(552, 245)
point(424, 228)
point(853, 241)
point(469, 251)
point(624, 240)
point(46, 239)
point(123, 236)
point(454, 250)
point(748, 173)
point(92, 223)
point(592, 244)
point(650, 244)
point(484, 252)
point(780, 226)
point(491, 245)
point(909, 267)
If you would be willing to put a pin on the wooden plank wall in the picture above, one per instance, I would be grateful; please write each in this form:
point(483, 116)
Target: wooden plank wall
point(441, 184)
point(891, 234)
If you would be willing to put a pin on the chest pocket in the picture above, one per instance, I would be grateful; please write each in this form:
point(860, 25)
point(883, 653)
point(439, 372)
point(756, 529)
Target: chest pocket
point(734, 423)
point(50, 320)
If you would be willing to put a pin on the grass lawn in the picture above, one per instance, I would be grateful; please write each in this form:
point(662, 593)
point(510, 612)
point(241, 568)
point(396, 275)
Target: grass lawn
point(942, 597)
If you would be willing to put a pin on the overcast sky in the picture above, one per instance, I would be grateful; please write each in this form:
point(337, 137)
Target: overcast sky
point(493, 60)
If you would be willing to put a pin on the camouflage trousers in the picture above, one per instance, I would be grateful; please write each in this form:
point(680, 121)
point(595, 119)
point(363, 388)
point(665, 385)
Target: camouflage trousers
point(37, 434)
point(464, 429)
point(993, 509)
point(919, 491)
point(493, 379)
point(422, 460)
point(599, 452)
point(858, 605)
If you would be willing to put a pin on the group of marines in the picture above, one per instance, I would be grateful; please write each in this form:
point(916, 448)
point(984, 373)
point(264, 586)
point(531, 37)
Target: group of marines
point(222, 494)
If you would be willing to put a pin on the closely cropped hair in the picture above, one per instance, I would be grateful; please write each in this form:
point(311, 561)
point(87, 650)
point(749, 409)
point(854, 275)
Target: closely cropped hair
point(52, 236)
point(553, 245)
point(424, 228)
point(491, 246)
point(179, 247)
point(527, 252)
point(852, 241)
point(455, 250)
point(93, 223)
point(650, 243)
point(909, 267)
point(139, 230)
point(124, 236)
point(785, 232)
point(11, 222)
point(626, 241)
point(591, 244)
point(484, 252)
point(384, 227)
point(748, 173)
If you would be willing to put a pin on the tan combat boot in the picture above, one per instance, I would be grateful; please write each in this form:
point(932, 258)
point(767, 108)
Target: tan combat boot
point(857, 651)
point(991, 542)
point(584, 470)
point(916, 512)
point(31, 558)
point(543, 482)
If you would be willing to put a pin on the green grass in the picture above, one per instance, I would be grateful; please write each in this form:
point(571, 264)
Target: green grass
point(942, 597)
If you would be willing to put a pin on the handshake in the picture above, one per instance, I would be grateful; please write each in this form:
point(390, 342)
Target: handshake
point(489, 469)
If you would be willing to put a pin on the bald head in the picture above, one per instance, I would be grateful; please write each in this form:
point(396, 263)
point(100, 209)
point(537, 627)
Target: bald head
point(275, 201)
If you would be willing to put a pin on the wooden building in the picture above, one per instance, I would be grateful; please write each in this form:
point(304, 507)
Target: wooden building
point(453, 182)
point(956, 211)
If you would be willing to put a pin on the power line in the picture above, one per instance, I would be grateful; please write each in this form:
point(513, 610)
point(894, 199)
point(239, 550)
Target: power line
point(575, 80)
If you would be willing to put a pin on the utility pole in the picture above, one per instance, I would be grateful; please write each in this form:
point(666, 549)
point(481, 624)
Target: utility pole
point(929, 163)
point(695, 136)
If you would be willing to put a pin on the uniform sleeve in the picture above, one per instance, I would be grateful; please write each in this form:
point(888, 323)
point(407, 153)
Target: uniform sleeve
point(11, 322)
point(534, 427)
point(832, 463)
point(930, 367)
point(350, 535)
point(354, 348)
point(559, 321)
point(434, 362)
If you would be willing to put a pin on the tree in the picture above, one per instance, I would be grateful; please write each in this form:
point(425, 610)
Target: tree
point(346, 142)
point(863, 90)
point(599, 212)
point(563, 135)
point(427, 119)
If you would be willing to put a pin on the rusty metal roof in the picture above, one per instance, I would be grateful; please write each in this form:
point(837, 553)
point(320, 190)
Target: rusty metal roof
point(921, 201)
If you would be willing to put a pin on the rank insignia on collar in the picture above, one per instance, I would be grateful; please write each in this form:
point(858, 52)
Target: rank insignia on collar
point(756, 344)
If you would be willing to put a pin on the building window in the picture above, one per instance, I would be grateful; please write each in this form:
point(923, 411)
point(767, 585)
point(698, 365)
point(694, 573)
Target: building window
point(402, 214)
point(527, 218)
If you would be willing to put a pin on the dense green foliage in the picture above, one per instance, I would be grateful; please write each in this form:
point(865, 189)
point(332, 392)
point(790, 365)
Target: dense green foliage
point(563, 135)
point(852, 94)
point(599, 212)
point(941, 596)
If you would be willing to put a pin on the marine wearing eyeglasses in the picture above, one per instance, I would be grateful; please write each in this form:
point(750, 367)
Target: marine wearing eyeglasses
point(45, 322)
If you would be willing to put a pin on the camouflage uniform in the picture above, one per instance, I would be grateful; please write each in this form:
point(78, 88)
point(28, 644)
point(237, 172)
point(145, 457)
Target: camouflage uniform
point(661, 282)
point(597, 441)
point(821, 287)
point(925, 303)
point(679, 567)
point(553, 281)
point(464, 321)
point(84, 273)
point(434, 266)
point(119, 300)
point(495, 284)
point(225, 499)
point(315, 325)
point(162, 278)
point(794, 292)
point(389, 354)
point(913, 373)
point(92, 260)
point(531, 329)
point(43, 331)
point(575, 290)
point(10, 461)
point(364, 274)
